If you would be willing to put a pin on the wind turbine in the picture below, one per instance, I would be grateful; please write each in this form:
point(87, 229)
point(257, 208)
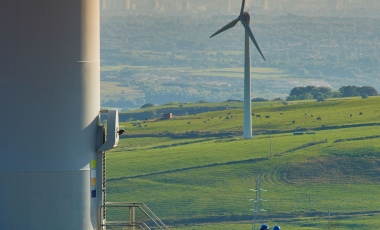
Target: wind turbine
point(244, 18)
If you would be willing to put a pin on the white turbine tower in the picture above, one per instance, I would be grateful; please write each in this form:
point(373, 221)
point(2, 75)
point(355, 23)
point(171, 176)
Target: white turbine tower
point(244, 18)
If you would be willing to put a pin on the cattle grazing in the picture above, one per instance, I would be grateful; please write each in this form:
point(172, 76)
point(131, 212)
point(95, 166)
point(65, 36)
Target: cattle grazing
point(319, 118)
point(312, 115)
point(293, 121)
point(351, 115)
point(258, 116)
point(361, 113)
point(189, 122)
point(267, 116)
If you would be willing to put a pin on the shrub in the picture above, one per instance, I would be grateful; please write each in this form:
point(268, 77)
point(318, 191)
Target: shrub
point(259, 99)
point(337, 95)
point(321, 99)
point(291, 98)
point(147, 105)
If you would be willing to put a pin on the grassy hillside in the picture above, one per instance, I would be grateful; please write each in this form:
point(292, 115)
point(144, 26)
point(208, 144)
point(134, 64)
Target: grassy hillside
point(205, 182)
point(305, 115)
point(177, 109)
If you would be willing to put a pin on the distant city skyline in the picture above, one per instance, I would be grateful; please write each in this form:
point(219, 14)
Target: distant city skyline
point(226, 6)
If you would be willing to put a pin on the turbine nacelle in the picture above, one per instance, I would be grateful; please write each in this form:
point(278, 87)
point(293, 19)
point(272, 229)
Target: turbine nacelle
point(245, 17)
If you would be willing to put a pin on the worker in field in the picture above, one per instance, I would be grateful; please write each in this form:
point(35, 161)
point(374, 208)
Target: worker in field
point(276, 227)
point(264, 227)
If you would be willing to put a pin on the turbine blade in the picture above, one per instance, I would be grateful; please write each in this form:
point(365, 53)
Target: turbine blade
point(242, 7)
point(249, 31)
point(226, 27)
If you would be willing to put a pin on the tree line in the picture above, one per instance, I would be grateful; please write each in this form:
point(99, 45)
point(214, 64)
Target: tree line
point(320, 93)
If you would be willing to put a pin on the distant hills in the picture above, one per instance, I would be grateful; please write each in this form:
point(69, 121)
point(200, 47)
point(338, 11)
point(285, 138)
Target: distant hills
point(181, 63)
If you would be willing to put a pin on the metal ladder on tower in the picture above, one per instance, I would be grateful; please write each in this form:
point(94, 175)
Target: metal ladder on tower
point(147, 216)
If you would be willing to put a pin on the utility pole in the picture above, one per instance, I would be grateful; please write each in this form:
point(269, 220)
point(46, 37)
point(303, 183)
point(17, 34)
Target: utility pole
point(258, 208)
point(270, 141)
point(309, 198)
point(329, 220)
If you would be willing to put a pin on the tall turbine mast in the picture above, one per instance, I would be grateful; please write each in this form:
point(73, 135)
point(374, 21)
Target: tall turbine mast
point(50, 92)
point(244, 18)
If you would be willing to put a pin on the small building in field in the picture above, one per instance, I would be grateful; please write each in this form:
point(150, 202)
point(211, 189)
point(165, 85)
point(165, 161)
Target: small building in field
point(168, 116)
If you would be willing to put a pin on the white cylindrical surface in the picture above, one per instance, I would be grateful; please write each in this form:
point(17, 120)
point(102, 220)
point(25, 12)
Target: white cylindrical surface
point(247, 129)
point(50, 92)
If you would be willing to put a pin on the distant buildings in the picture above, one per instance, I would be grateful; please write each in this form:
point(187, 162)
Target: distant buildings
point(225, 7)
point(272, 5)
point(128, 4)
point(356, 4)
point(257, 4)
point(167, 116)
point(186, 5)
point(116, 4)
point(152, 5)
point(332, 4)
point(231, 6)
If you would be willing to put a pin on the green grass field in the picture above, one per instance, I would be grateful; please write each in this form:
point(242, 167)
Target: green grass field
point(205, 182)
point(342, 223)
point(304, 114)
point(231, 105)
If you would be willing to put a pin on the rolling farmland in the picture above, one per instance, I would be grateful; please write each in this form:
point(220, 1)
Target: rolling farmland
point(202, 181)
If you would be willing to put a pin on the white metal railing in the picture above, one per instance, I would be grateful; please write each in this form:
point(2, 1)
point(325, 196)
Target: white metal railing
point(131, 221)
point(140, 225)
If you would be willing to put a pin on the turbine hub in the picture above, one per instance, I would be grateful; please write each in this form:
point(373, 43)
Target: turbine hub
point(246, 17)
